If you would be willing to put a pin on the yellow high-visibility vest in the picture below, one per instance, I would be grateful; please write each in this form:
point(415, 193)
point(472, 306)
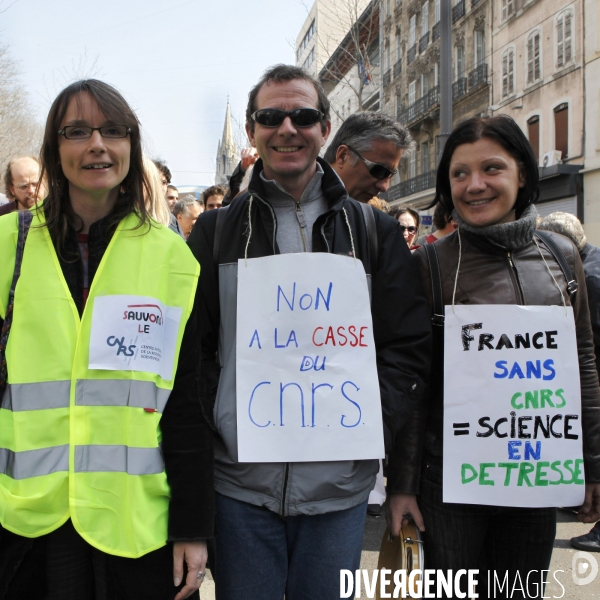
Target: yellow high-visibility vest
point(84, 443)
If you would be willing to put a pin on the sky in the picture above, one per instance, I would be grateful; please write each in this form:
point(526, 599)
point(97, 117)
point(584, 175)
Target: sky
point(175, 62)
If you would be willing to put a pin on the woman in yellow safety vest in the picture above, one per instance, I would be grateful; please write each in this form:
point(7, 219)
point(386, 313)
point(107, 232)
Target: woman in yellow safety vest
point(106, 486)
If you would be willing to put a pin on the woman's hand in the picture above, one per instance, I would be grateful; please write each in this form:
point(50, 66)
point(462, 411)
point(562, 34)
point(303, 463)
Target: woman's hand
point(590, 511)
point(195, 555)
point(398, 507)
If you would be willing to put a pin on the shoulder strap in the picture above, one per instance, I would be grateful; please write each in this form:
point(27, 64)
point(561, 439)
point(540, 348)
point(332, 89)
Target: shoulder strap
point(218, 229)
point(436, 287)
point(562, 261)
point(369, 218)
point(24, 222)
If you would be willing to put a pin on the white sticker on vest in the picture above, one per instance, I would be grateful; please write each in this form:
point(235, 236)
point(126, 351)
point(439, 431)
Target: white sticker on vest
point(134, 333)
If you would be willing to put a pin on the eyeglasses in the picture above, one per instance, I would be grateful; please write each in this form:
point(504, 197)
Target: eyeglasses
point(410, 228)
point(300, 117)
point(376, 170)
point(81, 132)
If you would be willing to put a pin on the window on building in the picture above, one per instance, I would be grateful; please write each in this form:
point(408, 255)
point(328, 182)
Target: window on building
point(479, 47)
point(424, 83)
point(564, 39)
point(412, 165)
point(388, 7)
point(412, 32)
point(425, 157)
point(436, 74)
point(424, 18)
point(307, 37)
point(533, 57)
point(561, 129)
point(412, 92)
point(460, 62)
point(309, 59)
point(533, 133)
point(398, 45)
point(438, 13)
point(508, 8)
point(386, 57)
point(508, 72)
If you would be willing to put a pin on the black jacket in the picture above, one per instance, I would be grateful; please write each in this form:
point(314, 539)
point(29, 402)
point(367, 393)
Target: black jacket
point(590, 256)
point(401, 325)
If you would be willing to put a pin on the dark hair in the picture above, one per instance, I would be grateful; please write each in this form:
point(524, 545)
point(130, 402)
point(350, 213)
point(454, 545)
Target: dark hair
point(440, 217)
point(57, 206)
point(398, 211)
point(279, 74)
point(162, 167)
point(214, 190)
point(360, 130)
point(8, 177)
point(503, 130)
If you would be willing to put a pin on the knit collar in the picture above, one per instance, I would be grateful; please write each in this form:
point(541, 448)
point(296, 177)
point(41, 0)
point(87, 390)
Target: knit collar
point(510, 236)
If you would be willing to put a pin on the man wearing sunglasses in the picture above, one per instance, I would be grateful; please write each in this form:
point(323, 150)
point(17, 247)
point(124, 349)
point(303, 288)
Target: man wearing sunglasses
point(288, 528)
point(366, 152)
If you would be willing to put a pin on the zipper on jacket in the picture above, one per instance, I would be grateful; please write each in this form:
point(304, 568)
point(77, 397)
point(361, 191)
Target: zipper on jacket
point(515, 276)
point(301, 223)
point(284, 492)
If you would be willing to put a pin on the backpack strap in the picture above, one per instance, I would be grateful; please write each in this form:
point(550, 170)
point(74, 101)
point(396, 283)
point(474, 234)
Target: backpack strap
point(435, 273)
point(218, 229)
point(369, 218)
point(562, 261)
point(24, 223)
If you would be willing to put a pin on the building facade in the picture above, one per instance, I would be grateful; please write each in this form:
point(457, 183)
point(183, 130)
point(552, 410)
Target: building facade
point(410, 40)
point(591, 172)
point(227, 152)
point(538, 79)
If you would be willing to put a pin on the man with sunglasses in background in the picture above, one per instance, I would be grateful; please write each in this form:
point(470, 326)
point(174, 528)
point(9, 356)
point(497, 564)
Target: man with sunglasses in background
point(366, 152)
point(288, 528)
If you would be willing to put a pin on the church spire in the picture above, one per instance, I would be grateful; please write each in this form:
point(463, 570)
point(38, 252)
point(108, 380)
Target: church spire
point(227, 152)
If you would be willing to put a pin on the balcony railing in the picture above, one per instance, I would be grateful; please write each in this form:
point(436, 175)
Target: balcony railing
point(478, 76)
point(387, 77)
point(458, 11)
point(411, 186)
point(435, 32)
point(397, 68)
point(412, 54)
point(423, 42)
point(420, 107)
point(459, 88)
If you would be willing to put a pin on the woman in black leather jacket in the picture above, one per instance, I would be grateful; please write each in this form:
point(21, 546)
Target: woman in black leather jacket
point(488, 181)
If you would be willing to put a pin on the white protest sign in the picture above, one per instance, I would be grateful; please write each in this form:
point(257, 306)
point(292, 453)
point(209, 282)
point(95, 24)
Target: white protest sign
point(307, 386)
point(512, 406)
point(134, 333)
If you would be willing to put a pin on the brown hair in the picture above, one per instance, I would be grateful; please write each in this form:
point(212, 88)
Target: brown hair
point(57, 206)
point(214, 190)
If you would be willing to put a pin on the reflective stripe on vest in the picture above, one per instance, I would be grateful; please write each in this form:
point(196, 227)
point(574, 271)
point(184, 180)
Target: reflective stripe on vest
point(89, 392)
point(118, 459)
point(34, 463)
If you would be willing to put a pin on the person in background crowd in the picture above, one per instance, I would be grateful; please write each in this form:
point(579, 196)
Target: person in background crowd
point(570, 226)
point(249, 157)
point(487, 180)
point(288, 529)
point(165, 174)
point(444, 226)
point(109, 483)
point(158, 175)
point(22, 184)
point(366, 152)
point(409, 221)
point(212, 197)
point(172, 195)
point(156, 205)
point(380, 204)
point(186, 211)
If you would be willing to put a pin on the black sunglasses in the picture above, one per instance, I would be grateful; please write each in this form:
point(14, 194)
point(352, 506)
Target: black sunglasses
point(300, 117)
point(410, 228)
point(376, 170)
